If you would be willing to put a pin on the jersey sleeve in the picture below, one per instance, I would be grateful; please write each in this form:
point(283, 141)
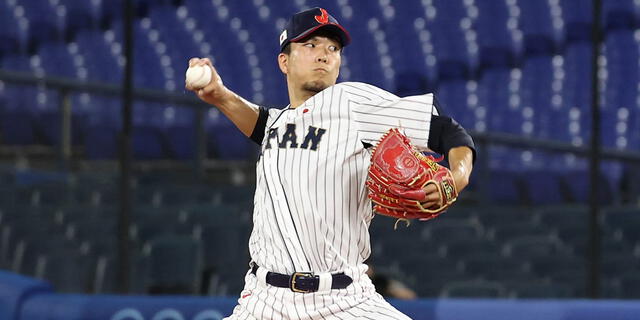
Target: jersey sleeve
point(446, 134)
point(258, 131)
point(375, 112)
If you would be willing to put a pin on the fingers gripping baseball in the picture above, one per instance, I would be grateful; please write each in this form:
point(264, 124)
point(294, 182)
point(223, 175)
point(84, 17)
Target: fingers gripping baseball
point(212, 91)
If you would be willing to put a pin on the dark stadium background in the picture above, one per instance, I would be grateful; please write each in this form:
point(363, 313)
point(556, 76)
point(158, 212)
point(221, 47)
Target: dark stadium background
point(516, 73)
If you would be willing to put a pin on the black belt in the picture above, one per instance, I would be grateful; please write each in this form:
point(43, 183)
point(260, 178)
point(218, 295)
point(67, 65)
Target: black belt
point(304, 282)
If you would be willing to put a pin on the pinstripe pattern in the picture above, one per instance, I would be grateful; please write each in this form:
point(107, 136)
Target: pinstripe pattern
point(311, 211)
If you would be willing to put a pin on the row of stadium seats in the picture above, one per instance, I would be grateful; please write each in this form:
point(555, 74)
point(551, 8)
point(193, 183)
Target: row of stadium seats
point(492, 31)
point(508, 249)
point(35, 240)
point(501, 247)
point(529, 257)
point(535, 186)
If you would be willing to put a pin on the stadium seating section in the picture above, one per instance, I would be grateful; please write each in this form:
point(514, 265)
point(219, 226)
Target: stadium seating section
point(192, 239)
point(505, 66)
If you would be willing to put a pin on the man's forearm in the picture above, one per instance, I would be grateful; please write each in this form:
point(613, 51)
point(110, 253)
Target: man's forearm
point(241, 112)
point(461, 164)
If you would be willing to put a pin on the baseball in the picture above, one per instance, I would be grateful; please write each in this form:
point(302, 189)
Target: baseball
point(198, 77)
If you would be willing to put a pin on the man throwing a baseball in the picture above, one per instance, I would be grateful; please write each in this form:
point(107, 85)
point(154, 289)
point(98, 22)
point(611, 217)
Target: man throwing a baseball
point(312, 206)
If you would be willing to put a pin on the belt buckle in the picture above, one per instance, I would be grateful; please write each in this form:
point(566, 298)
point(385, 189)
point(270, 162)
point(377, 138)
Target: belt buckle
point(294, 276)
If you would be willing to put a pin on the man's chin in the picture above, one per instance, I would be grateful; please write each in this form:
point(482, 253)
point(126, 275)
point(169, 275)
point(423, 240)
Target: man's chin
point(315, 86)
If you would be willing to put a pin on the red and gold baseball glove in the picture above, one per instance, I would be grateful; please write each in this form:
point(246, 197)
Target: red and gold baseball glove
point(398, 175)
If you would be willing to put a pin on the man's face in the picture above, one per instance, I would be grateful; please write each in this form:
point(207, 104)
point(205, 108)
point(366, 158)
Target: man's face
point(313, 64)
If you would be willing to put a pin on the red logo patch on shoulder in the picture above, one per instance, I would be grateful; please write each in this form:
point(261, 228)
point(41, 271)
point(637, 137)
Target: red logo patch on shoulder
point(324, 18)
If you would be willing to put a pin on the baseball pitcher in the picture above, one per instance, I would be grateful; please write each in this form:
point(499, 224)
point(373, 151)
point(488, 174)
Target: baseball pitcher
point(324, 159)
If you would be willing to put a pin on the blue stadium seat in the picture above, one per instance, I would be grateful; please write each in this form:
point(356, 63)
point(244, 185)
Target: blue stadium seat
point(506, 188)
point(577, 17)
point(81, 15)
point(461, 249)
point(58, 60)
point(505, 232)
point(497, 214)
point(102, 113)
point(620, 98)
point(570, 223)
point(174, 265)
point(23, 225)
point(148, 143)
point(431, 275)
point(495, 267)
point(630, 182)
point(453, 230)
point(547, 266)
point(174, 42)
point(45, 22)
point(536, 23)
point(409, 64)
point(540, 290)
point(183, 195)
point(181, 142)
point(29, 252)
point(577, 84)
point(536, 96)
point(225, 141)
point(102, 65)
point(18, 120)
point(625, 219)
point(225, 255)
point(630, 285)
point(159, 225)
point(493, 94)
point(577, 182)
point(106, 271)
point(12, 35)
point(101, 142)
point(213, 214)
point(233, 60)
point(474, 289)
point(532, 247)
point(613, 265)
point(496, 45)
point(543, 188)
point(111, 11)
point(610, 244)
point(69, 271)
point(92, 228)
point(621, 50)
point(454, 59)
point(621, 14)
point(452, 96)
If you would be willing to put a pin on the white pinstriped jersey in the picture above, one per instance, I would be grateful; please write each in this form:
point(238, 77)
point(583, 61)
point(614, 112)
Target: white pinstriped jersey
point(311, 211)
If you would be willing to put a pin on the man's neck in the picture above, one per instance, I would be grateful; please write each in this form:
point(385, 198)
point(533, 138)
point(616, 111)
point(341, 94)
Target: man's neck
point(298, 97)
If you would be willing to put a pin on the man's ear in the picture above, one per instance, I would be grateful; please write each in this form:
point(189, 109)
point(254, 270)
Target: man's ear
point(283, 62)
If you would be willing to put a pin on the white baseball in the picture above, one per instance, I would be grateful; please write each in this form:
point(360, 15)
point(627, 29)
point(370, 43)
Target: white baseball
point(198, 77)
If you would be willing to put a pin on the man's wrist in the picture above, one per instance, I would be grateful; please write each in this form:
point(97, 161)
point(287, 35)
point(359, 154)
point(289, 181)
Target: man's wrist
point(460, 178)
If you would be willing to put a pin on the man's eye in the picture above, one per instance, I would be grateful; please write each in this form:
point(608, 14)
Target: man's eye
point(333, 48)
point(310, 45)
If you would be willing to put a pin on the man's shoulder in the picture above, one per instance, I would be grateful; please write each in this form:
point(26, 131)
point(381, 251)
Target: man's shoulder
point(354, 85)
point(365, 91)
point(274, 111)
